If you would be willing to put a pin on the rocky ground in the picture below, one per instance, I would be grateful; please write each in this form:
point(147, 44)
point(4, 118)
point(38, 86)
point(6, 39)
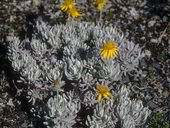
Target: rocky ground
point(146, 23)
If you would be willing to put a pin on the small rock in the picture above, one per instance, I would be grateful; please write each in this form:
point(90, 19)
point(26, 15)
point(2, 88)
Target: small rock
point(124, 9)
point(10, 103)
point(134, 13)
point(36, 2)
point(143, 38)
point(148, 53)
point(151, 23)
point(154, 41)
point(165, 19)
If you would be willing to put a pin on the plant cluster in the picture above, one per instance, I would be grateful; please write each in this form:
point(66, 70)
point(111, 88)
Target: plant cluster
point(67, 66)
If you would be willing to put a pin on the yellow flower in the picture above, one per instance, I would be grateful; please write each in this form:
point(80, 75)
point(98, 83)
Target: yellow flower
point(109, 49)
point(68, 4)
point(100, 3)
point(73, 12)
point(103, 91)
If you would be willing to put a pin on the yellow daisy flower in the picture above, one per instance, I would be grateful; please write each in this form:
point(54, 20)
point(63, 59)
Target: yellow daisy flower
point(103, 91)
point(68, 4)
point(100, 3)
point(109, 49)
point(73, 12)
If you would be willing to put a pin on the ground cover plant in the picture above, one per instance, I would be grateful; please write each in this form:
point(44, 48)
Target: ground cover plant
point(74, 73)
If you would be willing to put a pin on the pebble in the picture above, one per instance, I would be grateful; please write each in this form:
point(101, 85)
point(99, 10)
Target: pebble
point(10, 103)
point(134, 13)
point(151, 23)
point(148, 53)
point(154, 41)
point(165, 19)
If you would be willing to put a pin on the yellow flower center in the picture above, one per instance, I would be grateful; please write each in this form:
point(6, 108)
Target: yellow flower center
point(103, 91)
point(109, 50)
point(109, 45)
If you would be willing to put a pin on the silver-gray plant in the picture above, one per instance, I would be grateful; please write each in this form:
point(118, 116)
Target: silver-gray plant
point(103, 117)
point(62, 111)
point(69, 54)
point(131, 113)
point(72, 49)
